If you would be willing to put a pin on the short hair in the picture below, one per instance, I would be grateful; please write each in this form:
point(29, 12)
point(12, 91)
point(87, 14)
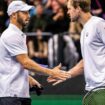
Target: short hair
point(85, 5)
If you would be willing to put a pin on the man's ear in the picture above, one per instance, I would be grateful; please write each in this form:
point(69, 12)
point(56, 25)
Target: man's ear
point(14, 15)
point(79, 9)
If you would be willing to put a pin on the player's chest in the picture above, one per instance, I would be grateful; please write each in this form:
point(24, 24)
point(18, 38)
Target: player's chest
point(89, 37)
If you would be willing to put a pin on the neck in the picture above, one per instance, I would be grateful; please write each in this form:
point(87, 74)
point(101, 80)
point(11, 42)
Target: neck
point(85, 17)
point(16, 24)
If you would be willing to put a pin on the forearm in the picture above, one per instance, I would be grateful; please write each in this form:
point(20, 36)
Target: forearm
point(77, 70)
point(33, 82)
point(35, 67)
point(31, 65)
point(30, 78)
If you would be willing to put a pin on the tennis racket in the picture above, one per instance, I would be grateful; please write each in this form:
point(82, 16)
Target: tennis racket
point(95, 97)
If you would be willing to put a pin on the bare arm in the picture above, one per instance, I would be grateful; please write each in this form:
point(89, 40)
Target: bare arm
point(31, 65)
point(33, 82)
point(97, 11)
point(45, 53)
point(77, 70)
point(30, 48)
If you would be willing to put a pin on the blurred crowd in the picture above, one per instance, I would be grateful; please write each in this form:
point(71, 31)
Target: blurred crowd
point(62, 45)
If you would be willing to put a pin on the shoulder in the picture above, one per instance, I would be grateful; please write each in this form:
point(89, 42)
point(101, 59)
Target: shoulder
point(10, 33)
point(10, 36)
point(99, 24)
point(98, 21)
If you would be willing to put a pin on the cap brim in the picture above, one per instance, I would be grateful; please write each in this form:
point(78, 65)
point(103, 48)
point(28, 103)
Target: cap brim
point(27, 8)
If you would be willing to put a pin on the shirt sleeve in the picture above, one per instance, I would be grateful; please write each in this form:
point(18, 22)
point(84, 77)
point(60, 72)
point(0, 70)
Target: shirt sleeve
point(101, 30)
point(15, 44)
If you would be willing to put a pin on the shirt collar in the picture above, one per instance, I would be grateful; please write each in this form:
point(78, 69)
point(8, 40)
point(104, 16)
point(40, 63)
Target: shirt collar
point(86, 24)
point(14, 27)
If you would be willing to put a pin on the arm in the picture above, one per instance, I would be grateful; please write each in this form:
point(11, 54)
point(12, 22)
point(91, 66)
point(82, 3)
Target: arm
point(75, 71)
point(30, 48)
point(97, 11)
point(30, 65)
point(18, 49)
point(35, 86)
point(45, 53)
point(33, 82)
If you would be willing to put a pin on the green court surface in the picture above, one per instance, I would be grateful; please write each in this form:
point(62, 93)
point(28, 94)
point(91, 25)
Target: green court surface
point(56, 100)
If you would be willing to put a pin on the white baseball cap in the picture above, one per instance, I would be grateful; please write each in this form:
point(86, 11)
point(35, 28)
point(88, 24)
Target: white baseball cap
point(18, 5)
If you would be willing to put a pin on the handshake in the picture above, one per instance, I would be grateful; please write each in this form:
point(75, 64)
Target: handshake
point(55, 81)
point(56, 76)
point(65, 75)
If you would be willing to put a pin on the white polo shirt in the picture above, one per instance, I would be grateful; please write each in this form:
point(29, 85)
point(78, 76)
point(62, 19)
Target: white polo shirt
point(93, 51)
point(13, 77)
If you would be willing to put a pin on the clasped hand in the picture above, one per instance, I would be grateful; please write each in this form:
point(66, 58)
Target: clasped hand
point(64, 75)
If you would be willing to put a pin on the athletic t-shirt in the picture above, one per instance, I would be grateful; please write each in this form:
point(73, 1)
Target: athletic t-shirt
point(13, 77)
point(93, 52)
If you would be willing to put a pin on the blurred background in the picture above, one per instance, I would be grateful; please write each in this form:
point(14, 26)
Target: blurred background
point(53, 39)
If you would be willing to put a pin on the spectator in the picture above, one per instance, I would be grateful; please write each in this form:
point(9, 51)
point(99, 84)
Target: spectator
point(61, 48)
point(96, 8)
point(38, 48)
point(75, 30)
point(103, 8)
point(38, 21)
point(58, 21)
point(3, 15)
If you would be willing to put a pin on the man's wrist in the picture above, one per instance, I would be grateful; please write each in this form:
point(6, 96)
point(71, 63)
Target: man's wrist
point(70, 75)
point(49, 72)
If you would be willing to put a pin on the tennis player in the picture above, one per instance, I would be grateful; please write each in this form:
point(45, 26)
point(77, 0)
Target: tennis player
point(14, 61)
point(92, 47)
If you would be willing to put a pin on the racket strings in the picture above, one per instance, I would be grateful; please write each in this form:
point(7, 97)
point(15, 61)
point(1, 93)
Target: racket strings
point(87, 98)
point(95, 97)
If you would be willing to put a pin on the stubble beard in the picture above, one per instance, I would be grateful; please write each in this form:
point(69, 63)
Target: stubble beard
point(74, 19)
point(22, 22)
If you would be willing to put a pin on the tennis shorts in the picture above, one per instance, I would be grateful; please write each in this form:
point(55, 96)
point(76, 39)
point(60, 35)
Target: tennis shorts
point(14, 101)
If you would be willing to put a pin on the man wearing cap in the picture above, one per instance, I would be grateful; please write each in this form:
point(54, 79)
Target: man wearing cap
point(14, 78)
